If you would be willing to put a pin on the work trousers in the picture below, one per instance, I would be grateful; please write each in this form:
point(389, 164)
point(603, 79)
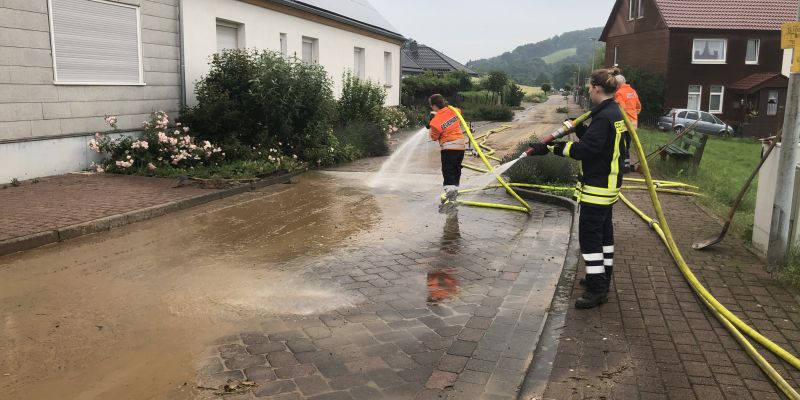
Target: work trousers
point(596, 237)
point(451, 166)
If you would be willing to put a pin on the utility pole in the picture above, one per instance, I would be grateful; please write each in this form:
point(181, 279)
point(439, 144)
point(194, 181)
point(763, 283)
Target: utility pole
point(779, 242)
point(594, 53)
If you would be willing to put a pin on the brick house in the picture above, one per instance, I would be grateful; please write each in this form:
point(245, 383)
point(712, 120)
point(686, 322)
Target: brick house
point(721, 56)
point(65, 64)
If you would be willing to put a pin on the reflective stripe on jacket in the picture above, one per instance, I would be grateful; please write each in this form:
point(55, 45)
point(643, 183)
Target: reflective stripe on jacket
point(446, 129)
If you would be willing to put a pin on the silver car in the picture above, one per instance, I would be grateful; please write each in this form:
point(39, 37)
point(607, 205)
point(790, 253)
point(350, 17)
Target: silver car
point(683, 118)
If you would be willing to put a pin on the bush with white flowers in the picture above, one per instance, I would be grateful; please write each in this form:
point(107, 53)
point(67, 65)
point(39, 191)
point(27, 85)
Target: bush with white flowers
point(161, 146)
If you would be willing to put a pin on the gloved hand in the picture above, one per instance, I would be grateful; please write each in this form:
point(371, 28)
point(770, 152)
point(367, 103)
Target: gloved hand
point(430, 118)
point(537, 149)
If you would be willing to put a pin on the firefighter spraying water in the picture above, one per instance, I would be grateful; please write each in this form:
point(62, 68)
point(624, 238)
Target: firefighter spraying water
point(601, 151)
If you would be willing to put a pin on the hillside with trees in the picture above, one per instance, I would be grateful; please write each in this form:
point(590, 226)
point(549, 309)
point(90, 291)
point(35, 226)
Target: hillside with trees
point(549, 61)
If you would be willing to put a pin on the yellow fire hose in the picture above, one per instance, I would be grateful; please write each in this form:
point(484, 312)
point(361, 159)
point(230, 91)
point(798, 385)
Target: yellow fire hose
point(525, 207)
point(728, 319)
point(489, 151)
point(489, 168)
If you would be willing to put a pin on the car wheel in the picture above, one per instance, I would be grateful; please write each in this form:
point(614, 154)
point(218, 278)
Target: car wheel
point(724, 133)
point(678, 130)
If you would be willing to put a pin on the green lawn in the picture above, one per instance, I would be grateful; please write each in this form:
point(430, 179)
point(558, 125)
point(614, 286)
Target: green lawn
point(557, 56)
point(725, 166)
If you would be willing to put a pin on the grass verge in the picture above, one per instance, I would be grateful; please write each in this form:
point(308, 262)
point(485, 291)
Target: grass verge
point(725, 166)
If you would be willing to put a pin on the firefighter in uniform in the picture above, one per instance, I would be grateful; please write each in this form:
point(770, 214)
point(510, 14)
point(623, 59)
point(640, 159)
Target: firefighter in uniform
point(446, 129)
point(601, 150)
point(629, 100)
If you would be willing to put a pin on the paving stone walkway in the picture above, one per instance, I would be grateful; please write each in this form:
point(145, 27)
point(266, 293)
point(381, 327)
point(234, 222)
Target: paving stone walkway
point(64, 200)
point(654, 339)
point(399, 343)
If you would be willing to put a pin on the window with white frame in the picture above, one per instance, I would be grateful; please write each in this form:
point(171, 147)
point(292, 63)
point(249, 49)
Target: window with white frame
point(227, 36)
point(709, 51)
point(753, 48)
point(640, 13)
point(310, 50)
point(358, 62)
point(716, 96)
point(616, 55)
point(695, 93)
point(631, 9)
point(387, 68)
point(95, 42)
point(284, 45)
point(772, 102)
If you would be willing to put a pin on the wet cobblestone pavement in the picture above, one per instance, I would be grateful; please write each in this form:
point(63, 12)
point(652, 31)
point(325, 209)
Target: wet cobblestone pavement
point(445, 307)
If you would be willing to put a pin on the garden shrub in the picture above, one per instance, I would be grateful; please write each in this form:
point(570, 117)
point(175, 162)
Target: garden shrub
point(562, 110)
point(160, 146)
point(360, 101)
point(489, 113)
point(365, 138)
point(257, 100)
point(416, 115)
point(394, 119)
point(513, 95)
point(415, 90)
point(545, 170)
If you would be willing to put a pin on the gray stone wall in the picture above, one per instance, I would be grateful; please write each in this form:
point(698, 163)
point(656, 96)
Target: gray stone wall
point(31, 106)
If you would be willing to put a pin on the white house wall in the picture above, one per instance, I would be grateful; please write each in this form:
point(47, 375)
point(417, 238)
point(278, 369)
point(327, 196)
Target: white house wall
point(44, 127)
point(261, 28)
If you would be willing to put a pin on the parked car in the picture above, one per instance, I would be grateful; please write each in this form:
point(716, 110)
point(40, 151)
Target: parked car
point(684, 117)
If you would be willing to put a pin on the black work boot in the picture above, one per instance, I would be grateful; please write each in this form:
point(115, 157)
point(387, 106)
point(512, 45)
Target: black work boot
point(596, 291)
point(591, 299)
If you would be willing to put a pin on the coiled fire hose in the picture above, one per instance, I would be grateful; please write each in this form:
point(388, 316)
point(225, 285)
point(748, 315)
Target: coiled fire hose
point(731, 322)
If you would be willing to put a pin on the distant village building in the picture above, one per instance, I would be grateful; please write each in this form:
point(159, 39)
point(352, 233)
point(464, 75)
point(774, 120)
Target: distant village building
point(720, 56)
point(418, 58)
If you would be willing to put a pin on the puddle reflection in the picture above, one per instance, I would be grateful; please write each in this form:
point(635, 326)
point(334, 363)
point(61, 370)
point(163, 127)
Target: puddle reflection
point(442, 284)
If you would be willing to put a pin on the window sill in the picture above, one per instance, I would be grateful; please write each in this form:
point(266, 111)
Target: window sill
point(387, 86)
point(96, 84)
point(709, 62)
point(715, 112)
point(750, 63)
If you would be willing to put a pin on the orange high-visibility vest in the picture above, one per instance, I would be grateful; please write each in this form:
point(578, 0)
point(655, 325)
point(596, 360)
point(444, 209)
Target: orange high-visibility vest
point(446, 129)
point(629, 100)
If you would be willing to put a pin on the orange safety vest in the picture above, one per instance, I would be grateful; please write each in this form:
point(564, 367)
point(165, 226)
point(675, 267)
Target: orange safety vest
point(629, 100)
point(446, 129)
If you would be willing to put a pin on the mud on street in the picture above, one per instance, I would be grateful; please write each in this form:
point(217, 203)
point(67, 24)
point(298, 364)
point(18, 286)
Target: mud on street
point(141, 312)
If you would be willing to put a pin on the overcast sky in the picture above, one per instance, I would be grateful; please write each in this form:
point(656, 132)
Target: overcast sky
point(472, 29)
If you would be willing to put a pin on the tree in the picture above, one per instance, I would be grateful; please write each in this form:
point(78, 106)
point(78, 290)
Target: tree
point(546, 88)
point(651, 88)
point(542, 79)
point(567, 88)
point(496, 82)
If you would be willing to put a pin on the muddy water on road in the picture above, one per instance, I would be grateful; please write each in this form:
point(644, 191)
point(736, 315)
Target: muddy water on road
point(126, 314)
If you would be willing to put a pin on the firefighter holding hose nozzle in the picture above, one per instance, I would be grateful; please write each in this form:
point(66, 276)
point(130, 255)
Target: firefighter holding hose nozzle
point(601, 149)
point(446, 129)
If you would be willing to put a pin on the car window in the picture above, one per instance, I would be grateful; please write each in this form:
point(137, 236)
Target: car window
point(719, 121)
point(708, 118)
point(691, 115)
point(682, 114)
point(669, 113)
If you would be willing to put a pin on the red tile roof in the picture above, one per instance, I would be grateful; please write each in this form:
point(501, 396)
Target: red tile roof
point(728, 14)
point(751, 82)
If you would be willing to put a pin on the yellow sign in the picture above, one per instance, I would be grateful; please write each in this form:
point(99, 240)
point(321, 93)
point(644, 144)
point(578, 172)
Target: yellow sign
point(790, 35)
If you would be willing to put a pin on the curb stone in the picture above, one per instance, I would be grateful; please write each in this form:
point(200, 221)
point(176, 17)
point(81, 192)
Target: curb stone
point(539, 368)
point(35, 240)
